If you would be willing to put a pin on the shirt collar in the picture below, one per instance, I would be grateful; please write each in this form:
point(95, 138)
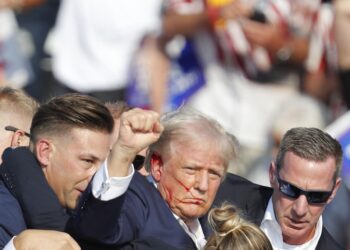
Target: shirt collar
point(194, 230)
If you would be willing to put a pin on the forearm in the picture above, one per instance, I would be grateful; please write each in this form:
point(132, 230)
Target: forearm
point(299, 49)
point(159, 66)
point(119, 161)
point(20, 4)
point(183, 24)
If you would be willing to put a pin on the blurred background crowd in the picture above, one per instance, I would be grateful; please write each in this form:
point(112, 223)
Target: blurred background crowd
point(259, 67)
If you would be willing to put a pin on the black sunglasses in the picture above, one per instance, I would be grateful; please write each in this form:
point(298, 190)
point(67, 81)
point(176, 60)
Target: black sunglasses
point(14, 129)
point(313, 197)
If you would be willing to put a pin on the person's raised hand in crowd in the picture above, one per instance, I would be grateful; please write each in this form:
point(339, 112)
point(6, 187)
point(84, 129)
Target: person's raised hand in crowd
point(235, 9)
point(44, 239)
point(138, 129)
point(274, 39)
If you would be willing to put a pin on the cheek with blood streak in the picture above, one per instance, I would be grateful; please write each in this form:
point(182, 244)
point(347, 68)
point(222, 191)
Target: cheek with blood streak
point(169, 194)
point(187, 189)
point(183, 185)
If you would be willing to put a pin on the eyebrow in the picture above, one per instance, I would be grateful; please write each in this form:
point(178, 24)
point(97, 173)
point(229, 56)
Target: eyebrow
point(91, 156)
point(14, 129)
point(214, 170)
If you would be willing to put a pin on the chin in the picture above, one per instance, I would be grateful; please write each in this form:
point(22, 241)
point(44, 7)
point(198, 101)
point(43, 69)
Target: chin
point(294, 236)
point(72, 204)
point(191, 215)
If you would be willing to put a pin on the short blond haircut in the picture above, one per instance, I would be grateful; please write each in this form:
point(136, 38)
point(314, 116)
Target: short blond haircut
point(17, 101)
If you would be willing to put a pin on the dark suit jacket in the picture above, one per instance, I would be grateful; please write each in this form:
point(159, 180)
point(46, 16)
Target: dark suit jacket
point(140, 214)
point(25, 180)
point(253, 200)
point(11, 218)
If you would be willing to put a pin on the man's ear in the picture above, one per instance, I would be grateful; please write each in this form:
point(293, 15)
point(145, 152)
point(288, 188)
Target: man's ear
point(272, 174)
point(156, 167)
point(19, 139)
point(335, 189)
point(43, 149)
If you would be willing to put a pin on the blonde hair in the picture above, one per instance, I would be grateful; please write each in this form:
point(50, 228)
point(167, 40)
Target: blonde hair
point(231, 231)
point(17, 101)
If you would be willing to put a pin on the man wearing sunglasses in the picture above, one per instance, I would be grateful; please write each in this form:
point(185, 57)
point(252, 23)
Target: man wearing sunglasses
point(304, 179)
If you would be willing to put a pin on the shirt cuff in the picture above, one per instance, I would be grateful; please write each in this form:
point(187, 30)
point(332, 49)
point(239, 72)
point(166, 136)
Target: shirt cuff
point(9, 245)
point(107, 188)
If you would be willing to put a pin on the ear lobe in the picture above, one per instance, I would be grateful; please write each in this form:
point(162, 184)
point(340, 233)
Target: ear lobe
point(156, 167)
point(43, 150)
point(335, 189)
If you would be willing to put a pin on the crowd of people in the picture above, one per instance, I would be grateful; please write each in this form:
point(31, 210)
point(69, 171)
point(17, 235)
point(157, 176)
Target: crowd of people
point(174, 124)
point(75, 184)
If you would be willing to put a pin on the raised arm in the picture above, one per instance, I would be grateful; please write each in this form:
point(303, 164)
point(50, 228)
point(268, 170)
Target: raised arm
point(139, 128)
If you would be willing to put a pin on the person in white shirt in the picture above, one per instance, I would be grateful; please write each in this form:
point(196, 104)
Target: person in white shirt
point(93, 44)
point(304, 180)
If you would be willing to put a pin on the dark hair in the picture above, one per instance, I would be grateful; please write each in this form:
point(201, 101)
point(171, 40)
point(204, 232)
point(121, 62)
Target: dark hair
point(117, 108)
point(60, 114)
point(311, 144)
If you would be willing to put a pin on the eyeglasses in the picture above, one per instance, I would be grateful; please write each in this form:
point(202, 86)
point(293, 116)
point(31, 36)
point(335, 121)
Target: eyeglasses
point(14, 129)
point(313, 197)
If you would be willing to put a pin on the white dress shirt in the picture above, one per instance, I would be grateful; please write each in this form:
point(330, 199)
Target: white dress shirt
point(273, 231)
point(194, 230)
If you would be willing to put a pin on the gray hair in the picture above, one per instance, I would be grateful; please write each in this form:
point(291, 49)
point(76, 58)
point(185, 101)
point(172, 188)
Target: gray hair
point(311, 144)
point(186, 126)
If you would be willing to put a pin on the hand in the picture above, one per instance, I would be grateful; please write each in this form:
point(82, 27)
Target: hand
point(138, 129)
point(269, 36)
point(44, 239)
point(236, 9)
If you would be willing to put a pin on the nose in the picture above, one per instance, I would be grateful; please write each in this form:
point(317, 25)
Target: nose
point(300, 206)
point(202, 179)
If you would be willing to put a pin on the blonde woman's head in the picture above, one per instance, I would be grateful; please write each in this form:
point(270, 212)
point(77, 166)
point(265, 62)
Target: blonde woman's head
point(231, 231)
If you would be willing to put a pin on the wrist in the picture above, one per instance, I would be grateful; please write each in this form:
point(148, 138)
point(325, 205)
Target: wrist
point(119, 160)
